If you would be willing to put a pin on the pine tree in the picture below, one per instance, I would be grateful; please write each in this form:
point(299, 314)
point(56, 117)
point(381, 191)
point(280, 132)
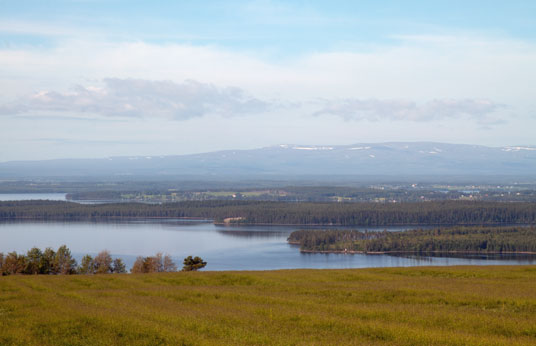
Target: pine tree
point(118, 266)
point(193, 264)
point(64, 263)
point(87, 266)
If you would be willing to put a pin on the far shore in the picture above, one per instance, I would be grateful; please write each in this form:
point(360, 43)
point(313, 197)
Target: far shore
point(231, 222)
point(417, 252)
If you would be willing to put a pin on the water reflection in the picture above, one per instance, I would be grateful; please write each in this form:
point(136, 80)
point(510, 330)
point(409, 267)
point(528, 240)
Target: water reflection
point(250, 234)
point(248, 231)
point(530, 258)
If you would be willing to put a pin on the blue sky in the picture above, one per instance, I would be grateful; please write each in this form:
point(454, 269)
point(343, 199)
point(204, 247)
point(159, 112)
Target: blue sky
point(288, 28)
point(106, 78)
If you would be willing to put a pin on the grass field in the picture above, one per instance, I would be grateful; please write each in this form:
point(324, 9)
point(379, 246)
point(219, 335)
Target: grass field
point(399, 306)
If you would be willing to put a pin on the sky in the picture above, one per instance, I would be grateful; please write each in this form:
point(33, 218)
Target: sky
point(92, 78)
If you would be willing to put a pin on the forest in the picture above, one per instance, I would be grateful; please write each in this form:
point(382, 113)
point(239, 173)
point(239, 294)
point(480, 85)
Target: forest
point(286, 213)
point(442, 240)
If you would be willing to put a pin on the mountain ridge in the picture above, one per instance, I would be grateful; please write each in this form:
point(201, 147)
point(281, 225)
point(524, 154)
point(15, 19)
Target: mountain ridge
point(389, 158)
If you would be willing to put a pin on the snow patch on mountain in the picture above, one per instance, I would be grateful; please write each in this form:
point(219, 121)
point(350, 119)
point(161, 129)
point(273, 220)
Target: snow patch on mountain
point(312, 148)
point(518, 148)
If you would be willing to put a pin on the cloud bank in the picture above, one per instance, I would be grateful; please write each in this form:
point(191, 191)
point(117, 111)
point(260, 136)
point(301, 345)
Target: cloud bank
point(192, 99)
point(403, 110)
point(141, 98)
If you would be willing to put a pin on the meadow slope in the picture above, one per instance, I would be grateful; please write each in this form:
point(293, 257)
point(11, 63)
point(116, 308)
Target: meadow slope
point(384, 306)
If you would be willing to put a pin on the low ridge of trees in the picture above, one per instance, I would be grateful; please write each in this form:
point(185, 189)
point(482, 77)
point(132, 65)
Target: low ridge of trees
point(39, 262)
point(451, 239)
point(61, 262)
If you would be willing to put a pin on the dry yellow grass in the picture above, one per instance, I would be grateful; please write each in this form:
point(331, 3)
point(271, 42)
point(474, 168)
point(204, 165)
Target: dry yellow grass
point(392, 306)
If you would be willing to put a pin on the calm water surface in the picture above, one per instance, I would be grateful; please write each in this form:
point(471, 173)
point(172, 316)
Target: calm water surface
point(223, 247)
point(29, 196)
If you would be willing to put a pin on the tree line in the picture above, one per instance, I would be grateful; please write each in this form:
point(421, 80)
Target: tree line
point(451, 239)
point(61, 262)
point(261, 212)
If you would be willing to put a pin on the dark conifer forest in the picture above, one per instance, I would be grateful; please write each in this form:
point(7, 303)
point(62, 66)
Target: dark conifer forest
point(286, 213)
point(438, 240)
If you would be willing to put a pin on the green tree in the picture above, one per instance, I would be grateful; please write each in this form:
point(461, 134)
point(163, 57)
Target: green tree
point(64, 263)
point(193, 264)
point(87, 266)
point(47, 261)
point(34, 261)
point(118, 266)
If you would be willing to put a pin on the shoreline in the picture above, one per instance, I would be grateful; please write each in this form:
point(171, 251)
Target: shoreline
point(222, 223)
point(352, 252)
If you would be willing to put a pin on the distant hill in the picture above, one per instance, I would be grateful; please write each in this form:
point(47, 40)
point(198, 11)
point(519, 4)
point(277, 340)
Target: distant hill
point(385, 159)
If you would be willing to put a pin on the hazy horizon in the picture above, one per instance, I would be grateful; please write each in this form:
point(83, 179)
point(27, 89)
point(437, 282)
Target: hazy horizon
point(303, 146)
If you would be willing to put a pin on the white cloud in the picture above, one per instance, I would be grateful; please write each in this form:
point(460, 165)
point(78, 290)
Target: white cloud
point(141, 98)
point(191, 99)
point(403, 110)
point(415, 68)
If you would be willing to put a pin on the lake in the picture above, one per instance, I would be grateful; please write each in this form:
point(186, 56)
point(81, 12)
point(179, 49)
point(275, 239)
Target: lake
point(223, 247)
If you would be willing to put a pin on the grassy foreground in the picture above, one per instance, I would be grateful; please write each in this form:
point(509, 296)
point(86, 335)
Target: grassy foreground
point(402, 306)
